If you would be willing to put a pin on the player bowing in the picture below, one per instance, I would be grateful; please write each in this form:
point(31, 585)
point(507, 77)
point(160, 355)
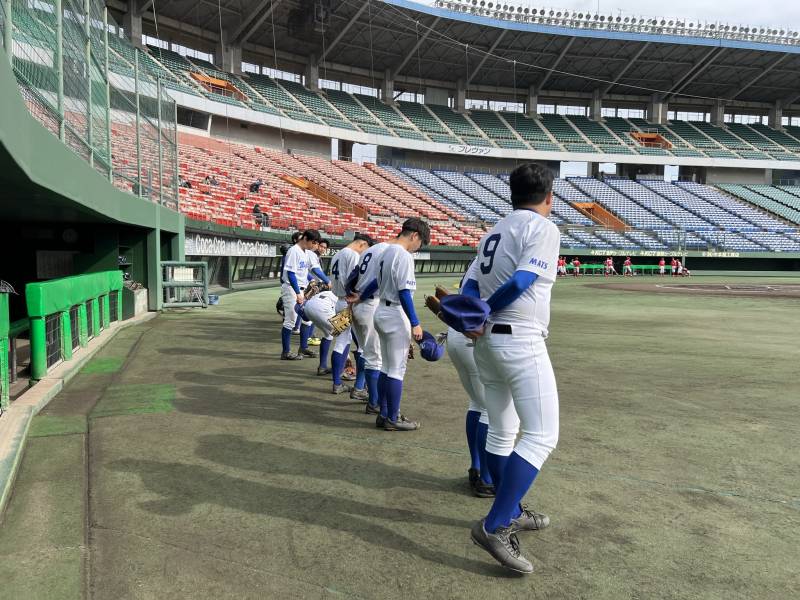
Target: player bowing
point(395, 318)
point(342, 264)
point(514, 275)
point(294, 276)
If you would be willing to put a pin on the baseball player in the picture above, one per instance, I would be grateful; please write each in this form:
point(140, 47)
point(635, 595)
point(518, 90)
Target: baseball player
point(342, 264)
point(318, 310)
point(562, 266)
point(627, 267)
point(576, 267)
point(674, 265)
point(609, 266)
point(362, 286)
point(661, 264)
point(314, 272)
point(395, 318)
point(514, 275)
point(279, 304)
point(294, 276)
point(321, 250)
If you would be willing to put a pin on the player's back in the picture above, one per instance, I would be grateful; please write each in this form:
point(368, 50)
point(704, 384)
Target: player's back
point(342, 264)
point(395, 273)
point(369, 265)
point(527, 241)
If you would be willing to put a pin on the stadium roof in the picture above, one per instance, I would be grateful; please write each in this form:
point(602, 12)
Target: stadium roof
point(423, 45)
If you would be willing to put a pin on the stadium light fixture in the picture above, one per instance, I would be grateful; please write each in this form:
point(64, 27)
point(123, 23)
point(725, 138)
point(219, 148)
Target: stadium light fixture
point(516, 11)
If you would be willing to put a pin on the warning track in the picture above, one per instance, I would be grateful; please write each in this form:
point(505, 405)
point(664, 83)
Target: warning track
point(777, 290)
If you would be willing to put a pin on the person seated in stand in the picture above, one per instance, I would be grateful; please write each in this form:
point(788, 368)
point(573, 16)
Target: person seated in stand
point(256, 185)
point(258, 216)
point(184, 183)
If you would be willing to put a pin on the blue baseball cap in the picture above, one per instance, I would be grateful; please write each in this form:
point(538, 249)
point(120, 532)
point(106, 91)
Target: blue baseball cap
point(429, 348)
point(464, 313)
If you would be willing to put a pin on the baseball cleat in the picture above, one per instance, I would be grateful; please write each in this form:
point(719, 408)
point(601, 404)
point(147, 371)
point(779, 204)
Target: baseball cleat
point(480, 488)
point(290, 356)
point(402, 424)
point(340, 389)
point(380, 421)
point(474, 475)
point(323, 371)
point(373, 410)
point(362, 395)
point(314, 341)
point(503, 545)
point(529, 521)
point(308, 353)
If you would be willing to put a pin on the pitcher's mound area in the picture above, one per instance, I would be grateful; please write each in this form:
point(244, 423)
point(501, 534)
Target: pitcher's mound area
point(777, 290)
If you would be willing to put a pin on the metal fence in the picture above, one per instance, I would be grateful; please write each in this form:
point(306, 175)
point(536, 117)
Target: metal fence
point(124, 126)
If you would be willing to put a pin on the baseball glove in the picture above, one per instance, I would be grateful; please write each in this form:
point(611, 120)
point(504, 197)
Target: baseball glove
point(341, 321)
point(411, 351)
point(314, 288)
point(279, 307)
point(441, 292)
point(432, 302)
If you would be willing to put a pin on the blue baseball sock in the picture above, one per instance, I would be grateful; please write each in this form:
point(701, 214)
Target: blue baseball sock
point(383, 378)
point(497, 465)
point(472, 439)
point(297, 322)
point(394, 391)
point(361, 375)
point(305, 333)
point(517, 480)
point(482, 430)
point(311, 330)
point(372, 386)
point(337, 366)
point(324, 349)
point(286, 339)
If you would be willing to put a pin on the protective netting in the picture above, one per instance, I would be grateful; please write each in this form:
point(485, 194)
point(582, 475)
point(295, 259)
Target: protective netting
point(122, 122)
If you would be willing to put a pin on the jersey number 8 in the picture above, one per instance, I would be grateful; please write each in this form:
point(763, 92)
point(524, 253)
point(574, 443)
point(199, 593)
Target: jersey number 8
point(489, 250)
point(365, 263)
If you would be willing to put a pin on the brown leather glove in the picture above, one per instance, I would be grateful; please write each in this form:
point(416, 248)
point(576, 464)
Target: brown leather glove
point(441, 292)
point(432, 302)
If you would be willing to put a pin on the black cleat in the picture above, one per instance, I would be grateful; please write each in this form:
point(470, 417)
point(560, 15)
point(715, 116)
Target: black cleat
point(402, 424)
point(307, 352)
point(380, 421)
point(290, 356)
point(503, 545)
point(373, 410)
point(323, 371)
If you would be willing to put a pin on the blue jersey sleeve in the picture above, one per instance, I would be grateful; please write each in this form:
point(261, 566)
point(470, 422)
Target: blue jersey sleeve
point(320, 275)
point(371, 288)
point(470, 288)
point(407, 302)
point(352, 280)
point(293, 281)
point(511, 290)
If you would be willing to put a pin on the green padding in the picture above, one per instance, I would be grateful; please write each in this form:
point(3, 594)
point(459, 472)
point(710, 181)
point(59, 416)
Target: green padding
point(60, 295)
point(4, 323)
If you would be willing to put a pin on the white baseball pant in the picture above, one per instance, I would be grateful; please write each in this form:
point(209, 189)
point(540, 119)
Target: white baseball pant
point(367, 337)
point(460, 350)
point(519, 384)
point(343, 339)
point(394, 331)
point(319, 313)
point(289, 300)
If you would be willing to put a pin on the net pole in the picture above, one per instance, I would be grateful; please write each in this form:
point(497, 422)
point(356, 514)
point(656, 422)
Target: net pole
point(160, 133)
point(8, 26)
point(138, 141)
point(88, 32)
point(108, 95)
point(59, 65)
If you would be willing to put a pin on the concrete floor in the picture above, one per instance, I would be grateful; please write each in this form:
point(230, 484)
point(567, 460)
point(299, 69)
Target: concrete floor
point(186, 461)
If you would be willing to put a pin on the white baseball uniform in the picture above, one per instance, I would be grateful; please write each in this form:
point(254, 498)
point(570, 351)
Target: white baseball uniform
point(342, 264)
point(395, 273)
point(512, 357)
point(296, 261)
point(319, 309)
point(364, 312)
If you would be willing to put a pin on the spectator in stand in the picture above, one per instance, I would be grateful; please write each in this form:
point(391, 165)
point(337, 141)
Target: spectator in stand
point(674, 267)
point(661, 264)
point(184, 183)
point(211, 180)
point(627, 267)
point(576, 266)
point(258, 216)
point(256, 185)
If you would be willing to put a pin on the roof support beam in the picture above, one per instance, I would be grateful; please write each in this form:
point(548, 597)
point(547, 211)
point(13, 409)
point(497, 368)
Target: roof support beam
point(546, 78)
point(791, 100)
point(420, 40)
point(144, 7)
point(343, 32)
point(254, 21)
point(492, 48)
point(700, 66)
point(738, 88)
point(624, 69)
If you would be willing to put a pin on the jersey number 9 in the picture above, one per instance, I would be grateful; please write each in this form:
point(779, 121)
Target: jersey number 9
point(489, 250)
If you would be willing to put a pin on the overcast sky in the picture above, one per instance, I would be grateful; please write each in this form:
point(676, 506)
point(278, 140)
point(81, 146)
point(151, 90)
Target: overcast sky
point(779, 13)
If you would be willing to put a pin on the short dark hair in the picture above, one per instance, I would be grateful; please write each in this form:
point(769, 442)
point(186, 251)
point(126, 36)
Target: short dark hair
point(296, 236)
point(312, 235)
point(326, 242)
point(363, 237)
point(530, 184)
point(415, 225)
